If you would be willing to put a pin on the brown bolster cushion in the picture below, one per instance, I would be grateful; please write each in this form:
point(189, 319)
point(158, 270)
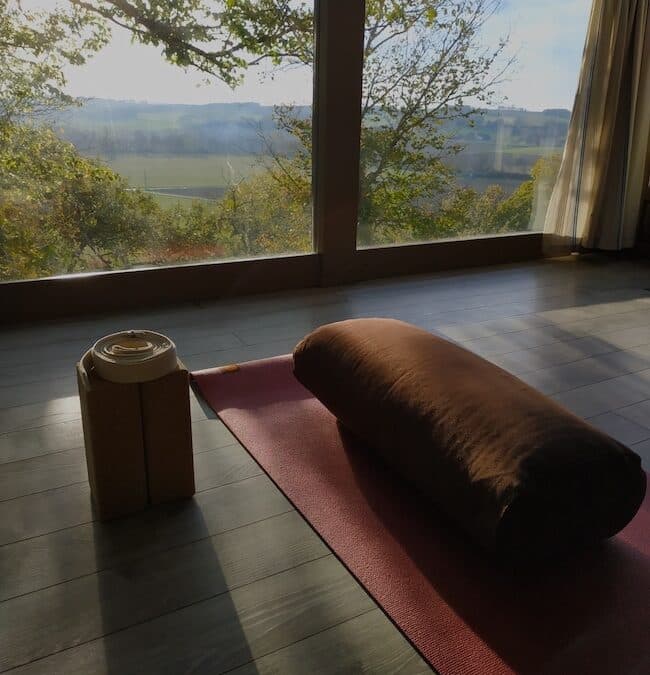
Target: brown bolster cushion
point(521, 475)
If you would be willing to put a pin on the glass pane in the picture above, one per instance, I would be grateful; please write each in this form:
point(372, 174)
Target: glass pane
point(177, 135)
point(466, 105)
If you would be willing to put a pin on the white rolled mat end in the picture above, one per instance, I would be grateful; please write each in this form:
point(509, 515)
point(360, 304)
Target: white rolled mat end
point(134, 356)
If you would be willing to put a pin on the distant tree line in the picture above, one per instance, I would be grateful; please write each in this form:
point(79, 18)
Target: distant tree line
point(124, 128)
point(225, 138)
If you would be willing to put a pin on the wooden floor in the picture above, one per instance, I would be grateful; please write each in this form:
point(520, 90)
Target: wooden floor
point(234, 580)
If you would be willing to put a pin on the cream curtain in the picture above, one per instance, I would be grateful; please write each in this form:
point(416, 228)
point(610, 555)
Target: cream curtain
point(596, 201)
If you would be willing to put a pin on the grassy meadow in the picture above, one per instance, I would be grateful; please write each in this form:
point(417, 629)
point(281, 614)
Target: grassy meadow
point(174, 179)
point(170, 171)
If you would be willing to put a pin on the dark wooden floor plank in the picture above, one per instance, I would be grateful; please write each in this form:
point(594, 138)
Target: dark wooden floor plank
point(29, 476)
point(209, 434)
point(34, 415)
point(555, 354)
point(57, 410)
point(643, 450)
point(224, 632)
point(590, 370)
point(27, 443)
point(18, 366)
point(89, 607)
point(222, 466)
point(53, 509)
point(26, 566)
point(595, 399)
point(38, 392)
point(638, 413)
point(44, 512)
point(366, 644)
point(622, 429)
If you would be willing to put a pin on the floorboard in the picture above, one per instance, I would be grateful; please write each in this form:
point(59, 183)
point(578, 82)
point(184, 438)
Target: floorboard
point(224, 632)
point(29, 564)
point(366, 644)
point(41, 473)
point(125, 595)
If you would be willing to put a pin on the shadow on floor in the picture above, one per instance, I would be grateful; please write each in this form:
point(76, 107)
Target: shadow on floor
point(180, 616)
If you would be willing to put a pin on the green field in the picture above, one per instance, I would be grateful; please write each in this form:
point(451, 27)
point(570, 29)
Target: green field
point(168, 171)
point(167, 201)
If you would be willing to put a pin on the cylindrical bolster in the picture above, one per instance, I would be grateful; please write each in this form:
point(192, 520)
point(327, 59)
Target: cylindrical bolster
point(522, 475)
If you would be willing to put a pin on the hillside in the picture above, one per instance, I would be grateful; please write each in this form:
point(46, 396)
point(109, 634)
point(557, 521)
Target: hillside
point(107, 127)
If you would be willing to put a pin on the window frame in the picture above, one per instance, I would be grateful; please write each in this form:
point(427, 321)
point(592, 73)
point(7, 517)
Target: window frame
point(336, 114)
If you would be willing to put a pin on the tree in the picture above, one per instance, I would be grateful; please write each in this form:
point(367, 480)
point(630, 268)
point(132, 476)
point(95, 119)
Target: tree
point(35, 46)
point(188, 234)
point(60, 212)
point(467, 212)
point(221, 38)
point(270, 213)
point(37, 171)
point(423, 63)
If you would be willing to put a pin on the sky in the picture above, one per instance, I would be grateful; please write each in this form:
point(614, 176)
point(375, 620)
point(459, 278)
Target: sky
point(547, 37)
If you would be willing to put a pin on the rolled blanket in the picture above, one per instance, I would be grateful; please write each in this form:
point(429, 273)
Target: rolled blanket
point(521, 475)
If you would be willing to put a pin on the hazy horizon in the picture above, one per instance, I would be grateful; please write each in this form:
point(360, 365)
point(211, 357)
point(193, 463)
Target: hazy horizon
point(265, 105)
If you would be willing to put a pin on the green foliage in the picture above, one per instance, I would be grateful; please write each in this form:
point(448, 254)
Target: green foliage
point(188, 234)
point(423, 60)
point(270, 213)
point(60, 212)
point(221, 38)
point(35, 45)
point(467, 212)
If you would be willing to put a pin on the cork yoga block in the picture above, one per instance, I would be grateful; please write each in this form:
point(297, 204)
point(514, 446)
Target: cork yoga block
point(138, 440)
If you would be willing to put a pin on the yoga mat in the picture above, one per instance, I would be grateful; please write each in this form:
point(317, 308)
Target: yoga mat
point(464, 614)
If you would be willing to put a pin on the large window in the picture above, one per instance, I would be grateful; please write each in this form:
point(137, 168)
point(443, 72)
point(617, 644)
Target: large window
point(155, 133)
point(466, 105)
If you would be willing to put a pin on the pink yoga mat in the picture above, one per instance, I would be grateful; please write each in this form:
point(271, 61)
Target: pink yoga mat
point(460, 611)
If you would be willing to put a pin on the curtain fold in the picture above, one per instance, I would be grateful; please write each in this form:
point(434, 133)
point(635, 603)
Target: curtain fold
point(597, 198)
